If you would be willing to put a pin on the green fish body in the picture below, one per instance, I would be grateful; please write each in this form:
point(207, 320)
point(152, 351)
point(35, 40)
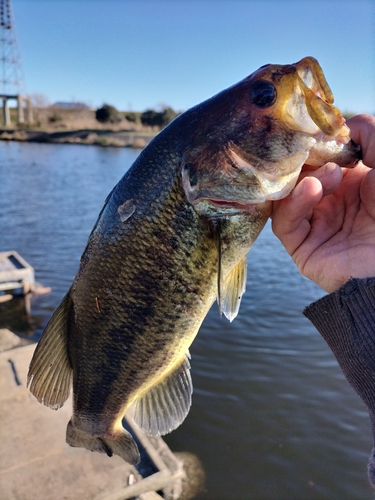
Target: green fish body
point(172, 238)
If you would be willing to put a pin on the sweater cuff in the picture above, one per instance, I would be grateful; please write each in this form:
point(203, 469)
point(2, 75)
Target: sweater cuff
point(346, 320)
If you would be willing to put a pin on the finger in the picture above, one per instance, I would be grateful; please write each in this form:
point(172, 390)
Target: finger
point(368, 192)
point(362, 131)
point(291, 216)
point(330, 176)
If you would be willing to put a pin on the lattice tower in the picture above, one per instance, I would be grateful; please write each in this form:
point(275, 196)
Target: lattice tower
point(12, 79)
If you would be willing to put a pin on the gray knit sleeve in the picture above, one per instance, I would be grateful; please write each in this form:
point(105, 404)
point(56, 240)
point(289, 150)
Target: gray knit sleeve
point(346, 320)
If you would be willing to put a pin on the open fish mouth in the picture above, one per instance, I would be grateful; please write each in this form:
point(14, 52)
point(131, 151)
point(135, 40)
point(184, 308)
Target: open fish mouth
point(286, 118)
point(306, 97)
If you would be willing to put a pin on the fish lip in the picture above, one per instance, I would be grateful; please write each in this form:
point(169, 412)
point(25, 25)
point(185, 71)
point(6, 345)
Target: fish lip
point(337, 149)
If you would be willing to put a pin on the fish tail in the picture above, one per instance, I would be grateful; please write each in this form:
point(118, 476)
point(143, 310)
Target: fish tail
point(121, 443)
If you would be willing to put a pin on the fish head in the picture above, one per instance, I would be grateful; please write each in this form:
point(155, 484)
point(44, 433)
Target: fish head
point(251, 140)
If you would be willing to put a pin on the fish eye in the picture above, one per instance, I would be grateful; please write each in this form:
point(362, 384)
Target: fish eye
point(263, 94)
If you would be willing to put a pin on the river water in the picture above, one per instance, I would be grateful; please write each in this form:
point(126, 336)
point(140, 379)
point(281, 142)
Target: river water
point(272, 415)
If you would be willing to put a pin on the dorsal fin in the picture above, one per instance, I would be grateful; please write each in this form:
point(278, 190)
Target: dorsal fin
point(50, 374)
point(165, 406)
point(232, 289)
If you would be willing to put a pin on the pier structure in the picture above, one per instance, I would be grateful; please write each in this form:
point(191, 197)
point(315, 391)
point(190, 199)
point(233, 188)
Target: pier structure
point(21, 100)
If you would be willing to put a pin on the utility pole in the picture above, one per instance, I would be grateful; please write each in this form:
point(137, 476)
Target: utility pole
point(12, 82)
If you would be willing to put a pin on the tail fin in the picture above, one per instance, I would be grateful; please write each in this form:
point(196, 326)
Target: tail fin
point(50, 373)
point(122, 444)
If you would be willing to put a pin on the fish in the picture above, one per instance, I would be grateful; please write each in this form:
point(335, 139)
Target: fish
point(171, 238)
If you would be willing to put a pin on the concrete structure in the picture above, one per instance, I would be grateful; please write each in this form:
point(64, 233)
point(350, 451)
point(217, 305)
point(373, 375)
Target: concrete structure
point(35, 461)
point(20, 109)
point(15, 270)
point(16, 278)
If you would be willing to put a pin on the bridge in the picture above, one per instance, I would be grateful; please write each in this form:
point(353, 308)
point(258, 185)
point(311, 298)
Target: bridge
point(21, 100)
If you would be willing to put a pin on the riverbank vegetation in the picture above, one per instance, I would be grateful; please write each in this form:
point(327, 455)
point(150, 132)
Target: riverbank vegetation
point(77, 123)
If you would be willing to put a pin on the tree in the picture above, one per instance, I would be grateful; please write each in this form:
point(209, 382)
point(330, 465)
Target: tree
point(151, 118)
point(167, 116)
point(131, 116)
point(39, 100)
point(161, 119)
point(107, 114)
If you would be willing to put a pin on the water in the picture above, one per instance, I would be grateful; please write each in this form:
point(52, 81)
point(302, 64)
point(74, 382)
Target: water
point(272, 415)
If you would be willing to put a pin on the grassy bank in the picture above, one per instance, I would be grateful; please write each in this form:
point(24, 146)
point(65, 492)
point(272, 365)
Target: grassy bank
point(78, 126)
point(108, 137)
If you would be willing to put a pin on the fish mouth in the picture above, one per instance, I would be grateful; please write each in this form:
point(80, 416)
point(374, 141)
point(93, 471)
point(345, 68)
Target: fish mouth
point(319, 99)
point(306, 100)
point(309, 108)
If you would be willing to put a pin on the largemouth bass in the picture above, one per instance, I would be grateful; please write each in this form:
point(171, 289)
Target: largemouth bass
point(172, 237)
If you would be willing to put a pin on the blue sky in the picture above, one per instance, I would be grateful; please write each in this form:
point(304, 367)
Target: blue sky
point(137, 54)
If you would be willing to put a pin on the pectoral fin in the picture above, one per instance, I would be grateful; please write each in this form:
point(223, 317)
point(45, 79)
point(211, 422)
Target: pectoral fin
point(50, 374)
point(165, 406)
point(232, 289)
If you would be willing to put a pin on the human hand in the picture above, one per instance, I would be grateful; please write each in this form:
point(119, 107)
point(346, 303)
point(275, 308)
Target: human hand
point(327, 223)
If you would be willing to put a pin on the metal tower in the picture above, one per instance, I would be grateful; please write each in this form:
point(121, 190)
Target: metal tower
point(11, 78)
point(12, 82)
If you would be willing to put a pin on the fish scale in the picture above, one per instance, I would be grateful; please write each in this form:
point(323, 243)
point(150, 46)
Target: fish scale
point(147, 281)
point(172, 237)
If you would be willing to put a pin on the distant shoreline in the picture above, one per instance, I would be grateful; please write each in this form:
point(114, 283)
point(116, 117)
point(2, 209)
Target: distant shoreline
point(121, 138)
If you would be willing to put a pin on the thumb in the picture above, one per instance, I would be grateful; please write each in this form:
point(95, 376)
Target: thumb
point(362, 131)
point(368, 192)
point(291, 216)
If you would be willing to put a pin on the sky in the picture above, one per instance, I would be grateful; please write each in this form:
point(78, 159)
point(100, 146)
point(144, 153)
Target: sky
point(140, 54)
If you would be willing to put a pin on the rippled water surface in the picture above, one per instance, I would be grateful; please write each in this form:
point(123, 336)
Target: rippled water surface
point(272, 415)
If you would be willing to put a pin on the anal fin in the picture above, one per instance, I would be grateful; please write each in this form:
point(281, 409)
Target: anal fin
point(50, 374)
point(165, 406)
point(232, 289)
